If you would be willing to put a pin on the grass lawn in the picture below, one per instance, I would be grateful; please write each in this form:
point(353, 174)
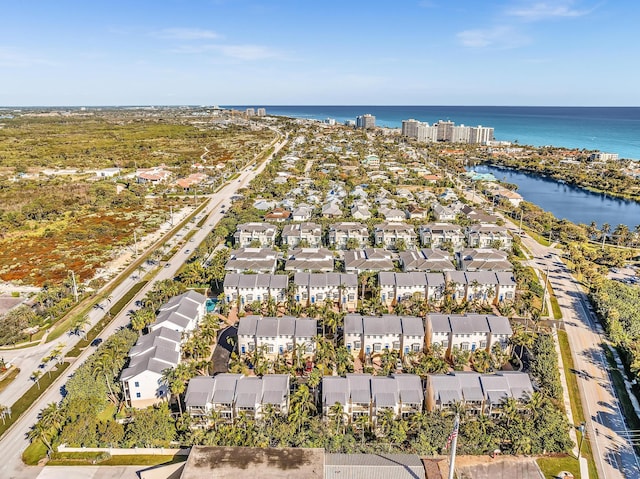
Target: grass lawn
point(34, 452)
point(551, 466)
point(576, 400)
point(8, 378)
point(84, 458)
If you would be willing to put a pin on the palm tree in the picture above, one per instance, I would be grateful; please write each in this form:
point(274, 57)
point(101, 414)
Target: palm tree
point(35, 376)
point(336, 412)
point(604, 231)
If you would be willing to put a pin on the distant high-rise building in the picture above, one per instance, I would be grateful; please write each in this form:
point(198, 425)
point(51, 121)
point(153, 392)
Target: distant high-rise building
point(250, 112)
point(366, 121)
point(410, 128)
point(446, 131)
point(349, 123)
point(261, 112)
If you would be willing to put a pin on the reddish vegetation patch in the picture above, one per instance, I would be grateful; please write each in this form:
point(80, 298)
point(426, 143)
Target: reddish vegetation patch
point(83, 246)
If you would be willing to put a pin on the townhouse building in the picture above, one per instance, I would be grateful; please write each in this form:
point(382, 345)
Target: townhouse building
point(316, 288)
point(308, 234)
point(248, 234)
point(485, 235)
point(477, 393)
point(372, 335)
point(181, 313)
point(277, 336)
point(244, 289)
point(363, 395)
point(226, 396)
point(483, 259)
point(483, 286)
point(253, 260)
point(467, 332)
point(392, 235)
point(142, 383)
point(396, 287)
point(426, 259)
point(368, 259)
point(437, 235)
point(309, 259)
point(345, 233)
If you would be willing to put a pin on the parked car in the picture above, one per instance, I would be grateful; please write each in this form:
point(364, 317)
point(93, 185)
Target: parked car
point(96, 342)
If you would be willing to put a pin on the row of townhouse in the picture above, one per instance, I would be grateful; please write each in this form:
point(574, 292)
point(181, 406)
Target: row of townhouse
point(317, 288)
point(226, 396)
point(489, 286)
point(367, 259)
point(247, 288)
point(363, 395)
point(158, 350)
point(371, 335)
point(277, 336)
point(389, 235)
point(477, 393)
point(467, 332)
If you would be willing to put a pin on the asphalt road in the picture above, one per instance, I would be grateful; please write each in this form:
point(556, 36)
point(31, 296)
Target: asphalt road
point(15, 440)
point(606, 429)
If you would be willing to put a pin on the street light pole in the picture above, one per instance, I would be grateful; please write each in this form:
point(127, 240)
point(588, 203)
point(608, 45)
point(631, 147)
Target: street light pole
point(581, 428)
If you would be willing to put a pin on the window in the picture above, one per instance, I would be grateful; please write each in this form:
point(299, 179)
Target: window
point(415, 347)
point(137, 395)
point(251, 347)
point(464, 346)
point(249, 298)
point(377, 347)
point(351, 297)
point(305, 296)
point(136, 384)
point(320, 296)
point(356, 345)
point(289, 346)
point(396, 345)
point(483, 343)
point(309, 348)
point(445, 343)
point(270, 348)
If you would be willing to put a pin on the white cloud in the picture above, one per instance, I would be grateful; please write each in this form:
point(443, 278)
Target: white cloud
point(500, 37)
point(547, 10)
point(187, 34)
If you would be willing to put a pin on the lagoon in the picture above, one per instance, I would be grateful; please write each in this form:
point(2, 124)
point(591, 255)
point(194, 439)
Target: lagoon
point(566, 201)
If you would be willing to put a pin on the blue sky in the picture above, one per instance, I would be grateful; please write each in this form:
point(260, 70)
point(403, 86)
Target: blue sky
point(273, 52)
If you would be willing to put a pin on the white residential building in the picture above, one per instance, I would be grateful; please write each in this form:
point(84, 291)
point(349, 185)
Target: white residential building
point(340, 235)
point(309, 234)
point(436, 235)
point(368, 259)
point(309, 259)
point(181, 313)
point(467, 332)
point(488, 236)
point(426, 259)
point(254, 260)
point(390, 235)
point(247, 233)
point(276, 336)
point(316, 288)
point(371, 335)
point(396, 287)
point(247, 288)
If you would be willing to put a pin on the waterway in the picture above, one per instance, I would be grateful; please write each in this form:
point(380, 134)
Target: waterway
point(566, 201)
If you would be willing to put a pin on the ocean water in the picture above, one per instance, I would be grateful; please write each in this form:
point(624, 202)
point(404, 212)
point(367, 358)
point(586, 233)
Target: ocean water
point(608, 129)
